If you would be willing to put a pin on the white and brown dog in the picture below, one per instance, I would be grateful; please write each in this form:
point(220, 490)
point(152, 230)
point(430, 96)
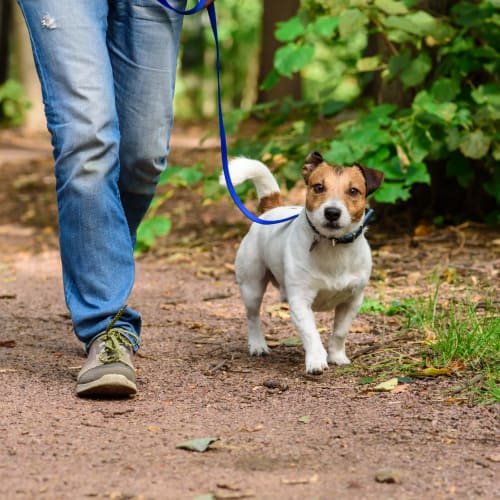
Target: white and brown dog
point(320, 261)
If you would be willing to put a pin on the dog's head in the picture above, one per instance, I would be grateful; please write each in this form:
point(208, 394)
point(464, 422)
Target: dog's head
point(336, 196)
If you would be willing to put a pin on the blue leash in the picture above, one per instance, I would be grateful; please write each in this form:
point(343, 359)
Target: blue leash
point(222, 132)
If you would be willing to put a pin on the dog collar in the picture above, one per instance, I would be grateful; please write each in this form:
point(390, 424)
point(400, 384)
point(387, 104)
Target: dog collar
point(346, 238)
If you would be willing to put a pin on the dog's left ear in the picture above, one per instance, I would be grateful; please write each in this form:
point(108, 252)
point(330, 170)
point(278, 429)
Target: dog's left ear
point(312, 161)
point(373, 178)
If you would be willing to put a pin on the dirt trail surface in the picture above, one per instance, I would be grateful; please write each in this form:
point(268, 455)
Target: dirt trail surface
point(282, 434)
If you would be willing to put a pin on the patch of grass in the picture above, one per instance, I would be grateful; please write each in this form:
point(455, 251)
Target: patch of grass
point(461, 335)
point(376, 307)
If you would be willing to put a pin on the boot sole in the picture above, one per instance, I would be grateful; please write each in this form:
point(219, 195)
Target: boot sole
point(107, 386)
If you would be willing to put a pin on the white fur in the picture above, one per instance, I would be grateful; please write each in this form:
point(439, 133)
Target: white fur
point(243, 169)
point(328, 277)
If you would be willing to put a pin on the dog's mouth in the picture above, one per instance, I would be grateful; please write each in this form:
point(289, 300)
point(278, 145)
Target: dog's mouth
point(332, 225)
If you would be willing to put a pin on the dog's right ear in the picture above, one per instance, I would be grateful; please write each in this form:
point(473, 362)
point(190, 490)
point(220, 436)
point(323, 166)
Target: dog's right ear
point(312, 161)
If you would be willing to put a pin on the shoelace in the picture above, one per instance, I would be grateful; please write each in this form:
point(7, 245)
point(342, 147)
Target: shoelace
point(114, 339)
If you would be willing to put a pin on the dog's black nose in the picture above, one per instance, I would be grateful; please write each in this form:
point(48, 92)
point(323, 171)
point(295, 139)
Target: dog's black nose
point(332, 213)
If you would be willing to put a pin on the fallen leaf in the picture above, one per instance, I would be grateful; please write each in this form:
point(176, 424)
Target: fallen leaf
point(301, 480)
point(226, 495)
point(306, 419)
point(153, 428)
point(291, 341)
point(432, 372)
point(280, 310)
point(7, 343)
point(199, 444)
point(257, 428)
point(387, 386)
point(494, 457)
point(423, 230)
point(388, 475)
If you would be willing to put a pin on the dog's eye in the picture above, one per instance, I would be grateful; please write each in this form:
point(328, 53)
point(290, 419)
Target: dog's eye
point(318, 188)
point(353, 191)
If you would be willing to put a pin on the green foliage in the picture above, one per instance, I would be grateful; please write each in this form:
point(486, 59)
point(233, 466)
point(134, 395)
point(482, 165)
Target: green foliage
point(157, 225)
point(446, 66)
point(13, 104)
point(238, 27)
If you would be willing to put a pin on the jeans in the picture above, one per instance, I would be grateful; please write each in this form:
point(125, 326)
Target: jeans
point(107, 70)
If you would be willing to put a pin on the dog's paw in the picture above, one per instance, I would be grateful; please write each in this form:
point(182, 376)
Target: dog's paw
point(338, 358)
point(316, 362)
point(258, 349)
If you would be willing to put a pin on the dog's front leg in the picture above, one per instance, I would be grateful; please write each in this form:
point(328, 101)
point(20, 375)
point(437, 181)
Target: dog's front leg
point(252, 293)
point(344, 316)
point(303, 319)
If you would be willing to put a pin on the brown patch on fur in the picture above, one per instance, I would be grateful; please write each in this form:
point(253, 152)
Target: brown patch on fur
point(337, 183)
point(271, 201)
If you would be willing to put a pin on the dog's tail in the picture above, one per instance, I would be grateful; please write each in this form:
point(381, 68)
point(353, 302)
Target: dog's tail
point(268, 191)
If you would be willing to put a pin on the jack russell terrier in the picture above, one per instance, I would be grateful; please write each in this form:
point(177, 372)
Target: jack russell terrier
point(319, 261)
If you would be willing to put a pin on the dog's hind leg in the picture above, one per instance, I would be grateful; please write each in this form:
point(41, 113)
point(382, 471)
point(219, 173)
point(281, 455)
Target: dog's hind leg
point(252, 292)
point(344, 316)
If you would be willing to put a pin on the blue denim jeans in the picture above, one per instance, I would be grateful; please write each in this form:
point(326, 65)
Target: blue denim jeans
point(107, 69)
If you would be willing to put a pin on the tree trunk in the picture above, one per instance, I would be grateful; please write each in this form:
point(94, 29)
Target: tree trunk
point(275, 11)
point(5, 17)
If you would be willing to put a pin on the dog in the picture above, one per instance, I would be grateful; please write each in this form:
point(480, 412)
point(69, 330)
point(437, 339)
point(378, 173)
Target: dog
point(320, 260)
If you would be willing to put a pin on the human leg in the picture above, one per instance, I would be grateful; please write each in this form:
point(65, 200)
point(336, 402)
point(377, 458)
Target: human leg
point(70, 50)
point(143, 41)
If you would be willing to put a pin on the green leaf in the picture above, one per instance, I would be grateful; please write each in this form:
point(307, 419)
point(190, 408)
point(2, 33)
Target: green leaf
point(350, 22)
point(397, 64)
point(292, 58)
point(306, 419)
point(390, 192)
point(475, 145)
point(443, 111)
point(151, 228)
point(199, 444)
point(417, 173)
point(340, 153)
point(417, 70)
point(324, 26)
point(391, 7)
point(368, 63)
point(270, 80)
point(487, 94)
point(289, 30)
point(419, 23)
point(445, 89)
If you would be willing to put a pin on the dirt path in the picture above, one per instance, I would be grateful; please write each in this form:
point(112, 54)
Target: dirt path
point(283, 435)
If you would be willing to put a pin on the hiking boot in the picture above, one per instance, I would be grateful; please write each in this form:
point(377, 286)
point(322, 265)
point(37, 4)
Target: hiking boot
point(109, 369)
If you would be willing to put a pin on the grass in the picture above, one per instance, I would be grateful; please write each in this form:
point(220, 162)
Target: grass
point(461, 335)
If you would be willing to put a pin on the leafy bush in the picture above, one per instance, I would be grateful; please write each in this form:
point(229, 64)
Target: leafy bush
point(13, 103)
point(445, 65)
